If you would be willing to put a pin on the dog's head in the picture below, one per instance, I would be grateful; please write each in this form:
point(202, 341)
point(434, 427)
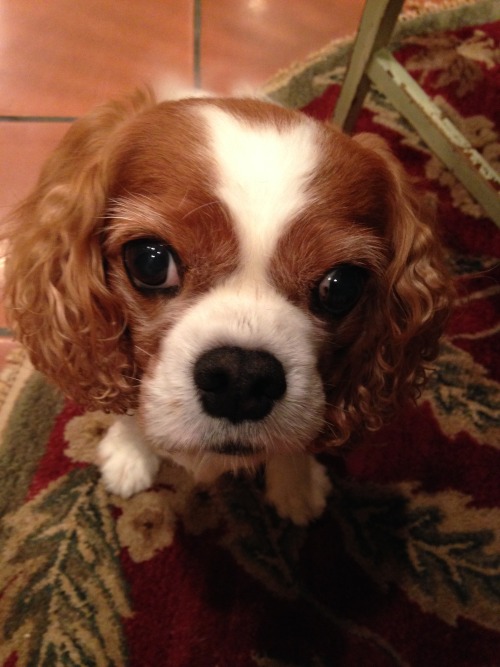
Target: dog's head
point(248, 279)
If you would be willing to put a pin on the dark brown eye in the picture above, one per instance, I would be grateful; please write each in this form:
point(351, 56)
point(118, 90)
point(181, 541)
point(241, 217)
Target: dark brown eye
point(340, 289)
point(151, 265)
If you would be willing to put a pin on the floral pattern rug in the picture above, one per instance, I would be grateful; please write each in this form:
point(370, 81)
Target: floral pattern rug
point(403, 569)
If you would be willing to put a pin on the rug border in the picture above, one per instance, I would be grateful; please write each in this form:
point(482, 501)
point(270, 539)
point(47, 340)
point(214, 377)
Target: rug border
point(294, 86)
point(13, 378)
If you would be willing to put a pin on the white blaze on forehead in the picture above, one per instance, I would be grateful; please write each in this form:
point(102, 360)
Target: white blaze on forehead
point(263, 172)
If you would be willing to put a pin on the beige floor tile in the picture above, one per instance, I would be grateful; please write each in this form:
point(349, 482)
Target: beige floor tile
point(64, 56)
point(248, 41)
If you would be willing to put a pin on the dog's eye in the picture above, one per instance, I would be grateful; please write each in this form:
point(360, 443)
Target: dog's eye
point(340, 290)
point(151, 265)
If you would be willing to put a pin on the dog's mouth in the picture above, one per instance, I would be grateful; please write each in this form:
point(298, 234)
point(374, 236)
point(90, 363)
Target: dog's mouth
point(235, 448)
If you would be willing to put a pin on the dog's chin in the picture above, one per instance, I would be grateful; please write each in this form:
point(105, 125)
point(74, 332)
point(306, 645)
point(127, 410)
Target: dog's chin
point(235, 448)
point(238, 452)
point(206, 463)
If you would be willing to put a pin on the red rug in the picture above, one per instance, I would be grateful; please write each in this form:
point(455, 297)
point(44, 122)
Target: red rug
point(403, 569)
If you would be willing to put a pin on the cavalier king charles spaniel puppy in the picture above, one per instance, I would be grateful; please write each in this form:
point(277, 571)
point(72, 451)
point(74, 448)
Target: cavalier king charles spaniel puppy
point(239, 283)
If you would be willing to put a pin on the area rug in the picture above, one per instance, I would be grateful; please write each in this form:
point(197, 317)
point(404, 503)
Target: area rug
point(403, 569)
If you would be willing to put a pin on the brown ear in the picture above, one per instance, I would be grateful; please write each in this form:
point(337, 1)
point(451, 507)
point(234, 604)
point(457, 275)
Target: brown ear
point(55, 288)
point(419, 282)
point(390, 362)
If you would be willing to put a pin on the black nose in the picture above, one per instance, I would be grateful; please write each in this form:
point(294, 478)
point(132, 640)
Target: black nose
point(239, 384)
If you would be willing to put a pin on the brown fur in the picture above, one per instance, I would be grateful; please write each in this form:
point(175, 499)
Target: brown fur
point(72, 305)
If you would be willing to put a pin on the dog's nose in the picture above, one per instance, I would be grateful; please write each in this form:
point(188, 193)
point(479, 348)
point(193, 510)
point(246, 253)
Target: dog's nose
point(239, 384)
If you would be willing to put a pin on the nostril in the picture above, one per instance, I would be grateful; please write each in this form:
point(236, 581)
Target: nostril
point(265, 376)
point(239, 384)
point(212, 380)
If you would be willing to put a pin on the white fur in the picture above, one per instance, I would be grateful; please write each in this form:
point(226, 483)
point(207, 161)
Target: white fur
point(127, 464)
point(248, 317)
point(262, 178)
point(176, 88)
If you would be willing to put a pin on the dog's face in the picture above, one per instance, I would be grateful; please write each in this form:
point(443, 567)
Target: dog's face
point(250, 280)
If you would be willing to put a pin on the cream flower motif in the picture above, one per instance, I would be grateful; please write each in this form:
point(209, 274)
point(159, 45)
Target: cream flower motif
point(148, 520)
point(84, 433)
point(481, 133)
point(458, 61)
point(147, 523)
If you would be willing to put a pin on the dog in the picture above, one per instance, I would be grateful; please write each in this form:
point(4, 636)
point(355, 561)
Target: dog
point(239, 283)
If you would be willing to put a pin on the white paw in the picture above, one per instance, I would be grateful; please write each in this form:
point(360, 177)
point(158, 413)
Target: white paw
point(127, 465)
point(299, 490)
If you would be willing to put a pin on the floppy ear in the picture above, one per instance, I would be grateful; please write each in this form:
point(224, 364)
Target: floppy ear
point(389, 363)
point(55, 287)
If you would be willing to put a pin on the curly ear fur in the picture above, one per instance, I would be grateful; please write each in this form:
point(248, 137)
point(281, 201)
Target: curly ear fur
point(55, 288)
point(388, 364)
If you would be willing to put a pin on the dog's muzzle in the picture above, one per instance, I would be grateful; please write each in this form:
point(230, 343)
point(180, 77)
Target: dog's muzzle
point(239, 384)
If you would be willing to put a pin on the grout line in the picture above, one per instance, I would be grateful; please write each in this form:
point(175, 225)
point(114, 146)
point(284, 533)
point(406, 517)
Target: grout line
point(197, 43)
point(37, 119)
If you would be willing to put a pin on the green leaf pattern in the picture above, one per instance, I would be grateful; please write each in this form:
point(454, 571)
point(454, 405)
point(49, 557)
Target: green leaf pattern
point(63, 594)
point(441, 550)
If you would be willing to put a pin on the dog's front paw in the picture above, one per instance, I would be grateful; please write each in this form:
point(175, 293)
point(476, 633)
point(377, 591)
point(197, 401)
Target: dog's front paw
point(298, 487)
point(127, 465)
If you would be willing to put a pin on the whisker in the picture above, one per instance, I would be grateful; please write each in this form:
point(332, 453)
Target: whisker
point(198, 208)
point(134, 379)
point(329, 404)
point(148, 354)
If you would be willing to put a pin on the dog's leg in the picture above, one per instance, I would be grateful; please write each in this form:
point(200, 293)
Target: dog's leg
point(127, 464)
point(298, 486)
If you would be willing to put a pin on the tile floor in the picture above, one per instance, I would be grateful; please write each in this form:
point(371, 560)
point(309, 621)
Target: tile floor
point(59, 58)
